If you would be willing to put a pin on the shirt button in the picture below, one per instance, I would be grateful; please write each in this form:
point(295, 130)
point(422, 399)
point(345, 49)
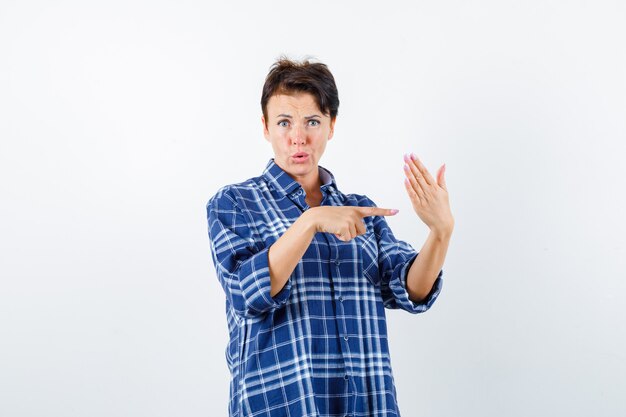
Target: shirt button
point(341, 299)
point(345, 338)
point(337, 261)
point(346, 377)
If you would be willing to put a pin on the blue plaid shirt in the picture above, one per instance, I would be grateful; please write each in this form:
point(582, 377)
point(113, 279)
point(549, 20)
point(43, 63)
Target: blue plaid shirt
point(319, 347)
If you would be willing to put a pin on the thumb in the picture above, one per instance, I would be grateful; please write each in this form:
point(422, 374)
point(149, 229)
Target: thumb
point(440, 177)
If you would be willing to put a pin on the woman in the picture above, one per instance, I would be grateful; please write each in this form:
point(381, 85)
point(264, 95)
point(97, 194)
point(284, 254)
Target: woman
point(308, 270)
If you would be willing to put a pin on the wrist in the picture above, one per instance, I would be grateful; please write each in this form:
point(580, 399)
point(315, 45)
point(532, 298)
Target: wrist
point(308, 221)
point(442, 232)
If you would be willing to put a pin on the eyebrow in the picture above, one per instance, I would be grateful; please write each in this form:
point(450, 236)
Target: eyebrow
point(306, 117)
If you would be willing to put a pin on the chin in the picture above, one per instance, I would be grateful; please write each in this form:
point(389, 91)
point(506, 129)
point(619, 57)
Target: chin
point(300, 170)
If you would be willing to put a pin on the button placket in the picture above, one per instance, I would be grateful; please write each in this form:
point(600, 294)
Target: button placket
point(335, 258)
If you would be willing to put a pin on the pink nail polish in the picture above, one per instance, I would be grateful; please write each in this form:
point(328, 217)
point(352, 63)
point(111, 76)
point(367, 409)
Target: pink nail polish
point(413, 156)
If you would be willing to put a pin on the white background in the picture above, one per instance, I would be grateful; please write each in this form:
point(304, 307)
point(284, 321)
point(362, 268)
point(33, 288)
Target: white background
point(119, 119)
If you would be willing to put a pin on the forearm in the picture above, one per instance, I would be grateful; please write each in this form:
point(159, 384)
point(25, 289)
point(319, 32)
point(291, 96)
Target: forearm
point(426, 267)
point(286, 252)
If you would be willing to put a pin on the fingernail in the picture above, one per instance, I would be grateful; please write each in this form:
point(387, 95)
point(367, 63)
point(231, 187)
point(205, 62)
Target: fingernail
point(413, 156)
point(406, 157)
point(406, 167)
point(394, 211)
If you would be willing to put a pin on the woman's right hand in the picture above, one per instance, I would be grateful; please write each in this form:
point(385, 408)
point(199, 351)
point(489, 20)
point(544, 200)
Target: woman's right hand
point(345, 222)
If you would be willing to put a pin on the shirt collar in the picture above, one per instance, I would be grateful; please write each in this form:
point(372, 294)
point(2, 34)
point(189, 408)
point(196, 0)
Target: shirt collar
point(284, 184)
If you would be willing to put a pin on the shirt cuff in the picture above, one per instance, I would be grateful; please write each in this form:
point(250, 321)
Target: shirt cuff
point(398, 288)
point(256, 285)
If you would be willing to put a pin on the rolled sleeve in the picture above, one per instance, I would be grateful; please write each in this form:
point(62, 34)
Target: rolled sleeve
point(241, 266)
point(395, 258)
point(256, 285)
point(397, 286)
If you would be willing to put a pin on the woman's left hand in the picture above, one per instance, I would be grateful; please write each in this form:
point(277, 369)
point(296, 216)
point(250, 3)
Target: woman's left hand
point(429, 197)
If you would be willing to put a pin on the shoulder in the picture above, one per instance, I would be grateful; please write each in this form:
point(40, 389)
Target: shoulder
point(235, 194)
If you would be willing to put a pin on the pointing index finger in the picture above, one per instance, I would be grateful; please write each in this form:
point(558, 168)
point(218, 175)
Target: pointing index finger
point(376, 211)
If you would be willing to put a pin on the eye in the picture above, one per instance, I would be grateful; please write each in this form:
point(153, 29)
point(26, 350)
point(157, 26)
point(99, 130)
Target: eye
point(314, 122)
point(283, 123)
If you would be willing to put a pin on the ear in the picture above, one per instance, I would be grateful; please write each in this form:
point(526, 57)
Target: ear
point(332, 127)
point(266, 132)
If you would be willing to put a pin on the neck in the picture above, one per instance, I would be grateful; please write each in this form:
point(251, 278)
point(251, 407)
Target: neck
point(310, 184)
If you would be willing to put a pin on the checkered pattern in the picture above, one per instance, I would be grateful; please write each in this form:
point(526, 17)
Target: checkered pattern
point(318, 347)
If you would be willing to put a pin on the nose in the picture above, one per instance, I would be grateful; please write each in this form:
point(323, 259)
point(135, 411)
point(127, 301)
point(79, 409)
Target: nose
point(298, 136)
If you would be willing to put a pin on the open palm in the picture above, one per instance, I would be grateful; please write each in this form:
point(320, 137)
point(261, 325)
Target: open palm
point(429, 197)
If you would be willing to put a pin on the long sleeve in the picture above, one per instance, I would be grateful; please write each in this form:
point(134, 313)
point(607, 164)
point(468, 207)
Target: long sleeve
point(240, 264)
point(395, 258)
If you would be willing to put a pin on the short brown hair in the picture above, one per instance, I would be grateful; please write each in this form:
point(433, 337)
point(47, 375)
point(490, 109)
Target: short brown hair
point(287, 76)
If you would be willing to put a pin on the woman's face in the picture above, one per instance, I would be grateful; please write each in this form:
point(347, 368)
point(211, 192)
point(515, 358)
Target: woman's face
point(298, 132)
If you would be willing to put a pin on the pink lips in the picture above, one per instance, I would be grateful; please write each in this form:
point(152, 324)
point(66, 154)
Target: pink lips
point(300, 156)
